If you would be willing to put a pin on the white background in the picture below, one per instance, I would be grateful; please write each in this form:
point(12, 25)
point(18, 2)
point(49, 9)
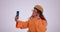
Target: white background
point(8, 10)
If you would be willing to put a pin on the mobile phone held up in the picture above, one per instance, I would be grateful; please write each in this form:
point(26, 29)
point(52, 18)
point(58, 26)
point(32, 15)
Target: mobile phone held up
point(17, 13)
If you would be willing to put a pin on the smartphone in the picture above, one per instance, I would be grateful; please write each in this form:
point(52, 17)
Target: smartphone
point(17, 14)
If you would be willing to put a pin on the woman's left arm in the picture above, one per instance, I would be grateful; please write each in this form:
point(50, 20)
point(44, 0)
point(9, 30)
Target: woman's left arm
point(44, 25)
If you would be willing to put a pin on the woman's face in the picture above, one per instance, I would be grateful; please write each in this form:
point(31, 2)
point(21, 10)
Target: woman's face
point(34, 12)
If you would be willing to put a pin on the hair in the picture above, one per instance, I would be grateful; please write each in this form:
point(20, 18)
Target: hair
point(40, 14)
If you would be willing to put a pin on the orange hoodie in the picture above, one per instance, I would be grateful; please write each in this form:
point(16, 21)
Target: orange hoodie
point(34, 24)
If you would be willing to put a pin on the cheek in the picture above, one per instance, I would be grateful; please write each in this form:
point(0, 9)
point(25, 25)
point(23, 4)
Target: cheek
point(34, 12)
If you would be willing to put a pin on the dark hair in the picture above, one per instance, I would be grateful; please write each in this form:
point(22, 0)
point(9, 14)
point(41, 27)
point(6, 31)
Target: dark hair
point(40, 14)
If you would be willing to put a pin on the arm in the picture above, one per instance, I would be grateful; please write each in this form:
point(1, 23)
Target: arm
point(41, 26)
point(44, 25)
point(21, 24)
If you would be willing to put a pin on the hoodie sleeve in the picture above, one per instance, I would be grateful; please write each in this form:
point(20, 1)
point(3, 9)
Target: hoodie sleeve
point(21, 24)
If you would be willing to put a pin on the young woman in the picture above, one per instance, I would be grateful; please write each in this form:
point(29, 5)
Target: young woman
point(36, 23)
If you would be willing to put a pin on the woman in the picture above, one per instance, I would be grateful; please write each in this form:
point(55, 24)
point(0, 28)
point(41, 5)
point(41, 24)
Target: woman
point(36, 23)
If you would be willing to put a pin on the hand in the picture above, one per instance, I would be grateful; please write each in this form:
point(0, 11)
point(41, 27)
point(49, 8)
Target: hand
point(16, 18)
